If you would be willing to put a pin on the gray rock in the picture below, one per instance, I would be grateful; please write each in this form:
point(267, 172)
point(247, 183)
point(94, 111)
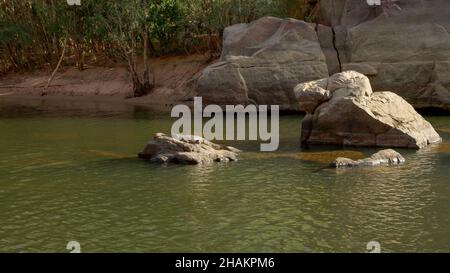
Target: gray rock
point(191, 150)
point(405, 50)
point(262, 61)
point(351, 114)
point(327, 43)
point(384, 157)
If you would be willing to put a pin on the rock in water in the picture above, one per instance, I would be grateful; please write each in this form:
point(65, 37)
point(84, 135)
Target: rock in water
point(191, 150)
point(384, 157)
point(343, 110)
point(403, 47)
point(262, 62)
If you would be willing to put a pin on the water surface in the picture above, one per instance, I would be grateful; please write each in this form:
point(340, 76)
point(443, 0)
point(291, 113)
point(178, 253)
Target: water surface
point(68, 171)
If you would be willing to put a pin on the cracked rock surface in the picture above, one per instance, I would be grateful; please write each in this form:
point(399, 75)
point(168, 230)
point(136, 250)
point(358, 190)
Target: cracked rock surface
point(189, 150)
point(404, 47)
point(262, 61)
point(343, 110)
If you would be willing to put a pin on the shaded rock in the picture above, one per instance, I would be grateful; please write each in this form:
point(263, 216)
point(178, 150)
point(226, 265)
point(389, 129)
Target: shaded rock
point(404, 48)
point(327, 43)
point(384, 157)
point(190, 150)
point(222, 83)
point(262, 61)
point(350, 113)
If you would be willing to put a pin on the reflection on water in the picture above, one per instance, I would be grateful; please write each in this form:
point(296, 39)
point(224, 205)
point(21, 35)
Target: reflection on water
point(71, 173)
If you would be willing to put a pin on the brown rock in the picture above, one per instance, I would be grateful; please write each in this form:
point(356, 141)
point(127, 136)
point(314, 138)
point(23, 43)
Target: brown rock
point(312, 94)
point(355, 116)
point(404, 47)
point(262, 61)
point(190, 150)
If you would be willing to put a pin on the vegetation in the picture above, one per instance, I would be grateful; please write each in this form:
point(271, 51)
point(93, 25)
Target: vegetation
point(46, 33)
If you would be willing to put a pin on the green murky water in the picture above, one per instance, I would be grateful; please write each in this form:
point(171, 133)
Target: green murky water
point(68, 171)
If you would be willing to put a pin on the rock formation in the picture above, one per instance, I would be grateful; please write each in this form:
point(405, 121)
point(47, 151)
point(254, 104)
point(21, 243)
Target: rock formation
point(343, 110)
point(262, 61)
point(384, 157)
point(191, 150)
point(404, 47)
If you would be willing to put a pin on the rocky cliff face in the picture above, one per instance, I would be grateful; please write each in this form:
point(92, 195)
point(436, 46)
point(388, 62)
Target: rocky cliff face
point(403, 47)
point(262, 62)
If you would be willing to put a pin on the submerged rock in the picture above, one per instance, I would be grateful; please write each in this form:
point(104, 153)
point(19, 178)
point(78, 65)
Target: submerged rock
point(343, 110)
point(190, 150)
point(384, 157)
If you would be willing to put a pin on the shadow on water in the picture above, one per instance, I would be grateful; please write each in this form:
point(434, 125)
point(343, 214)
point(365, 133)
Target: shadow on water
point(433, 111)
point(77, 107)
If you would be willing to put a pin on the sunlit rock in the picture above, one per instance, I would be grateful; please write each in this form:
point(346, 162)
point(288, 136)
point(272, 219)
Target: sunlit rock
point(403, 47)
point(351, 114)
point(190, 150)
point(384, 157)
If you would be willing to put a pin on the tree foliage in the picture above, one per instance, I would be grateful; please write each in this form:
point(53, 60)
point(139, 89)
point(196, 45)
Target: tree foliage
point(33, 32)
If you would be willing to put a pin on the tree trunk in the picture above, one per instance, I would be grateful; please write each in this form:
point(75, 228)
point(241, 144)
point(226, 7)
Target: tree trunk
point(44, 92)
point(79, 55)
point(138, 87)
point(148, 87)
point(12, 56)
point(146, 76)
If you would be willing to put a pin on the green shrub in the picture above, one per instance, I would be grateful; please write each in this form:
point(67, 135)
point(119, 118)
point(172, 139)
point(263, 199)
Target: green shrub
point(32, 31)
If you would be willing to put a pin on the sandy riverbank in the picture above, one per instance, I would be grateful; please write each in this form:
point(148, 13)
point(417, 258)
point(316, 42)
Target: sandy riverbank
point(109, 84)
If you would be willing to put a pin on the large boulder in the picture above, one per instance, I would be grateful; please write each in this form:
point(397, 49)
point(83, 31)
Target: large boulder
point(190, 150)
point(403, 46)
point(262, 61)
point(343, 110)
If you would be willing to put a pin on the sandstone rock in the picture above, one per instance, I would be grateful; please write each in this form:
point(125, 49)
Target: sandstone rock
point(384, 157)
point(311, 94)
point(350, 113)
point(405, 50)
point(262, 61)
point(190, 150)
point(327, 43)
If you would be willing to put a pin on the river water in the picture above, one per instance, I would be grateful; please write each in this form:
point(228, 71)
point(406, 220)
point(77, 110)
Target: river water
point(69, 172)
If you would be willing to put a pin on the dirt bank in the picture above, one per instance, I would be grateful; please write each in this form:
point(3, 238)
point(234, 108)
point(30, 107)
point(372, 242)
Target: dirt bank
point(173, 77)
